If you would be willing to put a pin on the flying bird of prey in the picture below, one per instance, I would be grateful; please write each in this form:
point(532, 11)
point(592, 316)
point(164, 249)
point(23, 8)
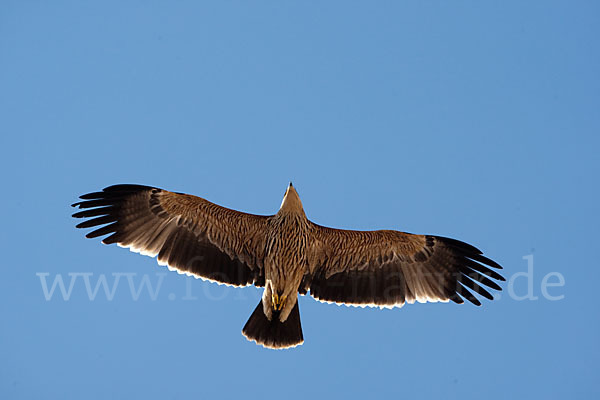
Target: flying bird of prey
point(287, 255)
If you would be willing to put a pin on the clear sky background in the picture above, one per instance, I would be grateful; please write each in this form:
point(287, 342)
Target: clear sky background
point(471, 119)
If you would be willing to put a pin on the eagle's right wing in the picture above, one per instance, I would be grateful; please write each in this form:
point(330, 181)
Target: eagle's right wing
point(187, 233)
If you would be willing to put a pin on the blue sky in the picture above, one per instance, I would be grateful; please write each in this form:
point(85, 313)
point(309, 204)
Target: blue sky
point(474, 120)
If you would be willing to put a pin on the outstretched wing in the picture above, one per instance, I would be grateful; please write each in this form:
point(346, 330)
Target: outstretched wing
point(390, 268)
point(187, 233)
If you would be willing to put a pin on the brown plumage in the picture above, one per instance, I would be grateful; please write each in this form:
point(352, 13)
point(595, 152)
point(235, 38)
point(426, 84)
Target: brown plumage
point(287, 254)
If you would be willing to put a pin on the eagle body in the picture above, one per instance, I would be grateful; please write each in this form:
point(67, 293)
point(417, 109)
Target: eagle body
point(287, 254)
point(286, 261)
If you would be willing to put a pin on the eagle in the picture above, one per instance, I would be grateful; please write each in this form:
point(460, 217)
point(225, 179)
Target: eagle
point(286, 254)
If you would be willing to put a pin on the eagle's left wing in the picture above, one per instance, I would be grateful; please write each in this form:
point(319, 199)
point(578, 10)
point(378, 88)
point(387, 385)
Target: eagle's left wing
point(390, 268)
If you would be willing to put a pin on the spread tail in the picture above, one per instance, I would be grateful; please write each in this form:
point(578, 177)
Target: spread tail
point(274, 334)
